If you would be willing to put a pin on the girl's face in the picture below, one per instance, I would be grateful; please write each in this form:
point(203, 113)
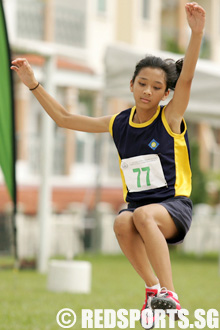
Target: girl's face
point(149, 88)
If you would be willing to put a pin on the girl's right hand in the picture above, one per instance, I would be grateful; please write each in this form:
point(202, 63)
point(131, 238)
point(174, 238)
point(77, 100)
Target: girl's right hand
point(25, 72)
point(195, 16)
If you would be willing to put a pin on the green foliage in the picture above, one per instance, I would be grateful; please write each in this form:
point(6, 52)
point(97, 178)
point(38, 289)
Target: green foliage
point(172, 46)
point(199, 192)
point(214, 187)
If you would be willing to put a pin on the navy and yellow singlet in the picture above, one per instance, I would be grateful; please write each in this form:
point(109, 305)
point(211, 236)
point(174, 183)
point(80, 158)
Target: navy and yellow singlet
point(154, 161)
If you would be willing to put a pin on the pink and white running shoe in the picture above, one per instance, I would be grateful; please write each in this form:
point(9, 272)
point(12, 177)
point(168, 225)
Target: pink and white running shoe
point(166, 300)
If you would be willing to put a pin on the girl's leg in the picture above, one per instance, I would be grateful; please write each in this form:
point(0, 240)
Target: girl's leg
point(154, 224)
point(142, 236)
point(133, 247)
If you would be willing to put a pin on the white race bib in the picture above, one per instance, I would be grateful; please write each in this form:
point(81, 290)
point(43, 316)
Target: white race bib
point(143, 173)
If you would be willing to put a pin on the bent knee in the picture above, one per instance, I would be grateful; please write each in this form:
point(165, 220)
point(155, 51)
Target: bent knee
point(123, 223)
point(143, 218)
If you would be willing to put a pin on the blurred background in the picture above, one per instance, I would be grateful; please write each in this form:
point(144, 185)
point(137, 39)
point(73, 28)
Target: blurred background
point(85, 53)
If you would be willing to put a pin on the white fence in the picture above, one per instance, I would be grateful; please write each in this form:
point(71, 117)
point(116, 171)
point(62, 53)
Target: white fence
point(204, 234)
point(66, 236)
point(68, 229)
point(67, 232)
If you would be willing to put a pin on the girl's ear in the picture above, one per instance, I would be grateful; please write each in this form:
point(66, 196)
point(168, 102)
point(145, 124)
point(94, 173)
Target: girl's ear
point(166, 95)
point(131, 86)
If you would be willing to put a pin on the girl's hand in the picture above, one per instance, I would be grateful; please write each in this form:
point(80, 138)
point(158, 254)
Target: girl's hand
point(25, 72)
point(195, 16)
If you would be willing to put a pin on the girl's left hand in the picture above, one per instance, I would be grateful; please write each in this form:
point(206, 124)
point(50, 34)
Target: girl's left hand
point(195, 16)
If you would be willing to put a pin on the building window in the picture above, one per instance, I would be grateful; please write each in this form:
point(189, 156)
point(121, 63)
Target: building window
point(85, 148)
point(85, 142)
point(70, 22)
point(30, 19)
point(102, 6)
point(145, 9)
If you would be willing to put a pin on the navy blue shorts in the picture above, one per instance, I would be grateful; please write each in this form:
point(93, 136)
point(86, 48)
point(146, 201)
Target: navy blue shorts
point(180, 209)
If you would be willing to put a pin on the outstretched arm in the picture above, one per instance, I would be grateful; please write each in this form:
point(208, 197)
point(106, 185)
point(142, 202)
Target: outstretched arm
point(177, 106)
point(56, 111)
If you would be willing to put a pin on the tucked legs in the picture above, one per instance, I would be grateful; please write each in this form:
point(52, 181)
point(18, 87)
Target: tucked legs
point(142, 238)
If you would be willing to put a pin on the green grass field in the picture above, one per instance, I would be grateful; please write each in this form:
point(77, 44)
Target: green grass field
point(26, 304)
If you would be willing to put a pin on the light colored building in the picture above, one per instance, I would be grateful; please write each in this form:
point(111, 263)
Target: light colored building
point(78, 33)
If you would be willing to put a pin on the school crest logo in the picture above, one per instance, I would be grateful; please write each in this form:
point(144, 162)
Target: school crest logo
point(153, 144)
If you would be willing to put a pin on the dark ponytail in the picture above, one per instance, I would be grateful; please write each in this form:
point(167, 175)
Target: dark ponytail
point(179, 65)
point(171, 68)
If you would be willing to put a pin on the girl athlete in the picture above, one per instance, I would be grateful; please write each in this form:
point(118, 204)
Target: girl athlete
point(153, 153)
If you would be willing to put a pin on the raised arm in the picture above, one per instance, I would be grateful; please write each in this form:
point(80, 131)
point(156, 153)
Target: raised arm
point(55, 110)
point(177, 106)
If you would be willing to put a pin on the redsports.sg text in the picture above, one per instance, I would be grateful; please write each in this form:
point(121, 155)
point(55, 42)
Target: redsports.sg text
point(127, 319)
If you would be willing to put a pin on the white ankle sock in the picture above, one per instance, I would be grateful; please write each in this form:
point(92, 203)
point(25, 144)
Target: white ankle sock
point(154, 287)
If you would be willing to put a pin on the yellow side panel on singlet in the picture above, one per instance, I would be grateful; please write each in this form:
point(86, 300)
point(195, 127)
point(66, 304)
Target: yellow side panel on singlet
point(111, 124)
point(183, 170)
point(125, 191)
point(183, 185)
